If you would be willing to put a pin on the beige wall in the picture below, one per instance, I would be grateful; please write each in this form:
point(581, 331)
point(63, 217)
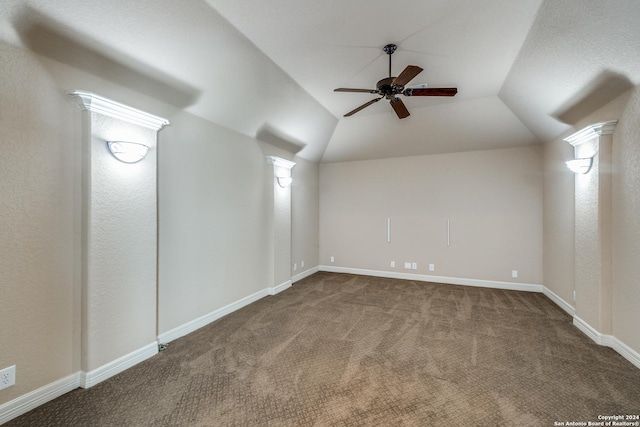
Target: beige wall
point(626, 227)
point(211, 211)
point(212, 216)
point(558, 218)
point(493, 200)
point(304, 216)
point(559, 222)
point(212, 219)
point(39, 225)
point(119, 244)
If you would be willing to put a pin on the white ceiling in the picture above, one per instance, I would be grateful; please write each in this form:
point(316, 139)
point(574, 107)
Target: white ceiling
point(266, 68)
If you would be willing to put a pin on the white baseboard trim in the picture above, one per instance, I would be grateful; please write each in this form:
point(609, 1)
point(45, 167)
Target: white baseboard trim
point(625, 351)
point(608, 340)
point(26, 402)
point(31, 400)
point(305, 274)
point(601, 339)
point(436, 279)
point(91, 378)
point(568, 308)
point(201, 321)
point(588, 330)
point(198, 323)
point(279, 288)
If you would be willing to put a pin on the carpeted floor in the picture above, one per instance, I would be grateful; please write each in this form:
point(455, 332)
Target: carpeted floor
point(347, 350)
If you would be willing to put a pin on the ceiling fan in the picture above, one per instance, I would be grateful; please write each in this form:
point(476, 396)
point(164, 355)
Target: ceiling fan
point(391, 87)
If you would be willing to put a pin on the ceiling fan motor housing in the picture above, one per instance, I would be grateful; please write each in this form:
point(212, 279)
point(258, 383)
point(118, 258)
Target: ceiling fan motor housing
point(387, 88)
point(390, 87)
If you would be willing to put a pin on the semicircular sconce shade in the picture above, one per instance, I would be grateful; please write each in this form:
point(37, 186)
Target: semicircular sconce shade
point(284, 181)
point(582, 165)
point(128, 152)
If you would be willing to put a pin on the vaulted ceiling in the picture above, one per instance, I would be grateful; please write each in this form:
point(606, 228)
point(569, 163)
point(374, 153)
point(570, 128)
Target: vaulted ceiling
point(525, 71)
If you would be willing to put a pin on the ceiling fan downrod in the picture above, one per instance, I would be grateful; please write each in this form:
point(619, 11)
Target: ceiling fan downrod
point(390, 87)
point(389, 49)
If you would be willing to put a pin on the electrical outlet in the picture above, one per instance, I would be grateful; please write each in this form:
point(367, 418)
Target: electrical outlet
point(333, 259)
point(514, 273)
point(407, 265)
point(7, 377)
point(393, 264)
point(432, 267)
point(414, 266)
point(295, 266)
point(301, 264)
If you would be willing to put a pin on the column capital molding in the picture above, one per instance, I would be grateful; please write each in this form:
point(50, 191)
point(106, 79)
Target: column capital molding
point(590, 132)
point(96, 103)
point(280, 162)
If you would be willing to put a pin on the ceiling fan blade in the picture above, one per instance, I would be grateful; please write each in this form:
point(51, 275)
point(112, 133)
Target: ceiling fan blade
point(432, 91)
point(407, 75)
point(399, 108)
point(346, 89)
point(363, 106)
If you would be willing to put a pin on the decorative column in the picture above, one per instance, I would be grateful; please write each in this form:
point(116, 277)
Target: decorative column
point(593, 234)
point(280, 217)
point(119, 236)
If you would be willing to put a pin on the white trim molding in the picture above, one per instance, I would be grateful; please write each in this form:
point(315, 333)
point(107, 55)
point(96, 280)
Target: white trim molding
point(89, 379)
point(305, 274)
point(201, 321)
point(96, 103)
point(436, 279)
point(625, 351)
point(26, 402)
point(279, 288)
point(568, 308)
point(601, 339)
point(588, 330)
point(591, 132)
point(280, 162)
point(23, 404)
point(608, 340)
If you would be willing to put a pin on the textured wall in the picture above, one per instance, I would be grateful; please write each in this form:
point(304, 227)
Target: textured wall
point(120, 289)
point(39, 225)
point(625, 228)
point(492, 198)
point(589, 226)
point(626, 225)
point(212, 221)
point(281, 227)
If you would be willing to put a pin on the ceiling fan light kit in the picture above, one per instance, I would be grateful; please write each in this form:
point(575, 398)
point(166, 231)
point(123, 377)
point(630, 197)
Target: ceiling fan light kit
point(390, 87)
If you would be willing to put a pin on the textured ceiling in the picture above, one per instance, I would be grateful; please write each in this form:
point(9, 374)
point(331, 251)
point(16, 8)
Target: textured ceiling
point(578, 56)
point(525, 70)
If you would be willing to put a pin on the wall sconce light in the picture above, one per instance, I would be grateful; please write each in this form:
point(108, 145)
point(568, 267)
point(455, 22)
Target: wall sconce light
point(284, 181)
point(580, 165)
point(281, 170)
point(128, 152)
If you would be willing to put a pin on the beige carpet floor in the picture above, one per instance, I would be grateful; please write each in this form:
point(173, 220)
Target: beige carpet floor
point(346, 350)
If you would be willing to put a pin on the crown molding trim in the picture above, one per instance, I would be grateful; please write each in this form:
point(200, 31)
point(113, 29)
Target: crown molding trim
point(99, 104)
point(590, 132)
point(280, 162)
